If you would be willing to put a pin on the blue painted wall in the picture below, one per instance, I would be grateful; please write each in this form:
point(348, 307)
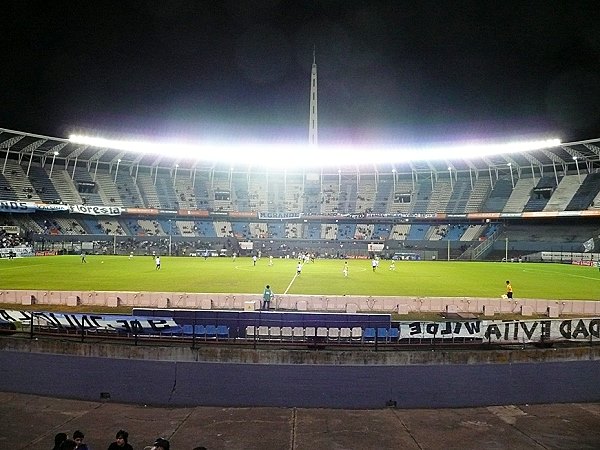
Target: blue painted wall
point(284, 385)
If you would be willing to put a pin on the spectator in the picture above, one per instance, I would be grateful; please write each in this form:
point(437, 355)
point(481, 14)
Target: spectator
point(161, 444)
point(68, 444)
point(121, 441)
point(78, 437)
point(58, 440)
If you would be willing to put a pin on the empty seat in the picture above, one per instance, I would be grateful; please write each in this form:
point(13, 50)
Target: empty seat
point(345, 333)
point(322, 332)
point(275, 332)
point(250, 330)
point(298, 332)
point(286, 332)
point(310, 331)
point(211, 330)
point(263, 331)
point(393, 334)
point(334, 333)
point(223, 332)
point(369, 334)
point(199, 330)
point(187, 329)
point(382, 334)
point(357, 333)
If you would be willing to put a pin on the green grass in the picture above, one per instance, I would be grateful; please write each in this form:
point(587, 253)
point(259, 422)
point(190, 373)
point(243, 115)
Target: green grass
point(324, 277)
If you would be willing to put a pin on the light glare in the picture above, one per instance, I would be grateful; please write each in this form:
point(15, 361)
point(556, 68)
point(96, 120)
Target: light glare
point(283, 155)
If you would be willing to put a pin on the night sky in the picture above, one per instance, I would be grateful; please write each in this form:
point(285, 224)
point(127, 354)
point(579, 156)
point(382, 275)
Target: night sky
point(388, 71)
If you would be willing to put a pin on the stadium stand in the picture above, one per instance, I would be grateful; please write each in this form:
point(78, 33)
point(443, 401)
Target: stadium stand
point(584, 196)
point(420, 205)
point(540, 194)
point(563, 193)
point(440, 196)
point(42, 184)
point(480, 191)
point(519, 196)
point(129, 192)
point(498, 196)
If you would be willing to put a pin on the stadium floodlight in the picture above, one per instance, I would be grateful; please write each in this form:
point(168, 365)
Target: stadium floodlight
point(281, 155)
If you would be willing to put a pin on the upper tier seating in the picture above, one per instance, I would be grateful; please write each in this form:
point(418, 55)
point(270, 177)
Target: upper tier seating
point(563, 193)
point(498, 196)
point(586, 193)
point(424, 192)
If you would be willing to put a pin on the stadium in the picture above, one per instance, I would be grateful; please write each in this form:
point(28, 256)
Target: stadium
point(84, 220)
point(64, 196)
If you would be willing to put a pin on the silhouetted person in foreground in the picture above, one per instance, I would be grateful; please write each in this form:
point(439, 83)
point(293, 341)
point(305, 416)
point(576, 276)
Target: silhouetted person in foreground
point(121, 441)
point(58, 440)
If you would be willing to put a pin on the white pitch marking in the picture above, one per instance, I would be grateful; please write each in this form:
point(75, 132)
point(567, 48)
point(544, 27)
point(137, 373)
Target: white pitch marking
point(563, 274)
point(290, 285)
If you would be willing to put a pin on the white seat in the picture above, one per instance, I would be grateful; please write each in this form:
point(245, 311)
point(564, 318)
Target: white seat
point(310, 331)
point(334, 333)
point(322, 332)
point(275, 332)
point(357, 332)
point(298, 332)
point(345, 333)
point(263, 331)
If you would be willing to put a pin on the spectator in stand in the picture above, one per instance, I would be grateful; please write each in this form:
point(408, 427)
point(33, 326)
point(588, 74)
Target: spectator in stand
point(121, 441)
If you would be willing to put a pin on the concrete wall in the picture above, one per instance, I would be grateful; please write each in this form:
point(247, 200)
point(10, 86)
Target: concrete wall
point(401, 305)
point(180, 376)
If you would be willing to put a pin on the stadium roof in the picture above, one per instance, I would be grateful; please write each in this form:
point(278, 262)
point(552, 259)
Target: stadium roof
point(28, 147)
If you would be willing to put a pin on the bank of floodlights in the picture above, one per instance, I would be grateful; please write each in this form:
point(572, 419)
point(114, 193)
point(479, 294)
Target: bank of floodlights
point(286, 155)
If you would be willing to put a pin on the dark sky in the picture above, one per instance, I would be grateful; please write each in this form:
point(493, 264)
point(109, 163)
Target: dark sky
point(389, 71)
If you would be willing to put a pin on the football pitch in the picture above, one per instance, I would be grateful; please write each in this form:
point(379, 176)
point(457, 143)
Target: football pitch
point(322, 277)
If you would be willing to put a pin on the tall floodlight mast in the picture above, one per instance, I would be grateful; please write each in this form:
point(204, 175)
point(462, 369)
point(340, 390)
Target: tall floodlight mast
point(313, 131)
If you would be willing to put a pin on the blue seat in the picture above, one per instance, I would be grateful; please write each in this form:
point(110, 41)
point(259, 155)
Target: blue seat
point(222, 331)
point(211, 330)
point(382, 334)
point(187, 329)
point(369, 334)
point(394, 334)
point(200, 330)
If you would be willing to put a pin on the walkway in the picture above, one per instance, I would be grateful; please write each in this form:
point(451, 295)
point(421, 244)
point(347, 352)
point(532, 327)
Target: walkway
point(30, 422)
